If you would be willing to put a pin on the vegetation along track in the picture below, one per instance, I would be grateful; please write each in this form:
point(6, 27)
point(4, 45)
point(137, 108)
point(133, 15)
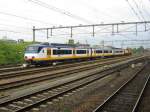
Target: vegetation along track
point(16, 71)
point(126, 98)
point(23, 80)
point(28, 102)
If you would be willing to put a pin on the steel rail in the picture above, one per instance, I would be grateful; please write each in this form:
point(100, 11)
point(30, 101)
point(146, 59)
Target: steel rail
point(140, 96)
point(37, 70)
point(100, 107)
point(79, 85)
point(48, 76)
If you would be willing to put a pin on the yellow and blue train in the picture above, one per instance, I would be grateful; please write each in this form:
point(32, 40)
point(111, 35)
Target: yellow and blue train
point(40, 54)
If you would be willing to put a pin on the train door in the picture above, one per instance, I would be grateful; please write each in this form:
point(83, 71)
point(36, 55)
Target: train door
point(74, 52)
point(87, 52)
point(91, 52)
point(48, 52)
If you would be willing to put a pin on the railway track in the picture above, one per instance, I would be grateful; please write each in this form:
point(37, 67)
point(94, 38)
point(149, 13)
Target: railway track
point(7, 69)
point(7, 66)
point(11, 69)
point(24, 80)
point(32, 100)
point(16, 71)
point(126, 98)
point(142, 104)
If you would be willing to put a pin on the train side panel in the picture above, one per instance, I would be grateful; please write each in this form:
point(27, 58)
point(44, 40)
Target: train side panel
point(38, 54)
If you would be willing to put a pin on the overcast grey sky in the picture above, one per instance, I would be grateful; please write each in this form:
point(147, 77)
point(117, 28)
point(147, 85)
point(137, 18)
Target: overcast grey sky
point(17, 17)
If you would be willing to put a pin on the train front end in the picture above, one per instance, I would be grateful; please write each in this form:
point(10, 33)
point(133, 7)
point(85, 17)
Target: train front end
point(32, 55)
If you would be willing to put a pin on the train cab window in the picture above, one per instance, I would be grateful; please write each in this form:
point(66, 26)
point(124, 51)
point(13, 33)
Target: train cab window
point(33, 49)
point(81, 51)
point(39, 49)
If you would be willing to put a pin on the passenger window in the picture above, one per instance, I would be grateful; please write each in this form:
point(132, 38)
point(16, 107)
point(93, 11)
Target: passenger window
point(81, 51)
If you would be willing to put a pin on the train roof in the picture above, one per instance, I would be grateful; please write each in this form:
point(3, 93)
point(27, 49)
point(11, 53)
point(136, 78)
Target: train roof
point(62, 45)
point(105, 47)
point(58, 45)
point(82, 46)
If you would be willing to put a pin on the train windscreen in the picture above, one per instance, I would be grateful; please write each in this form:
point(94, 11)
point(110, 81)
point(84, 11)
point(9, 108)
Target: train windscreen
point(32, 49)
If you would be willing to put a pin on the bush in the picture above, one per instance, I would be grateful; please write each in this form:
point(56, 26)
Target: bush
point(12, 53)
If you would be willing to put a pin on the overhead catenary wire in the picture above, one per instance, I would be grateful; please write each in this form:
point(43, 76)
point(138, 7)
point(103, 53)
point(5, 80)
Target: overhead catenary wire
point(15, 26)
point(96, 10)
point(61, 11)
point(125, 30)
point(133, 10)
point(4, 30)
point(130, 42)
point(21, 17)
point(115, 31)
point(93, 9)
point(18, 27)
point(19, 32)
point(25, 18)
point(140, 12)
point(144, 9)
point(146, 12)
